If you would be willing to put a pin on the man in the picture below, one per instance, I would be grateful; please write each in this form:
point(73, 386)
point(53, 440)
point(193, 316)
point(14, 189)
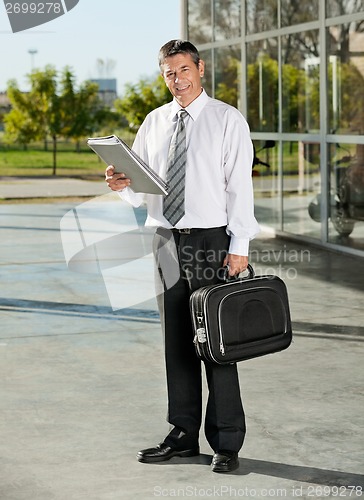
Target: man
point(209, 213)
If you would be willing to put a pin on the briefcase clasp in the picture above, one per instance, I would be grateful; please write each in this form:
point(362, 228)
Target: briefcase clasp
point(201, 335)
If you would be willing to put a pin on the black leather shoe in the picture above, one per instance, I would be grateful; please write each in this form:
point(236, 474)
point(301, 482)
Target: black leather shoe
point(225, 461)
point(163, 452)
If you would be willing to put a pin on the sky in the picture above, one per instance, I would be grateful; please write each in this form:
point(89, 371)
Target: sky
point(127, 32)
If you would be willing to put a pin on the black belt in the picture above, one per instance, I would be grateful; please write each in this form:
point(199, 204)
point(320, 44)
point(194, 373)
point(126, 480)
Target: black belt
point(191, 230)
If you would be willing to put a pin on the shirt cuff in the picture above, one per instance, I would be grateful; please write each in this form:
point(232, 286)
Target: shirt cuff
point(239, 246)
point(127, 194)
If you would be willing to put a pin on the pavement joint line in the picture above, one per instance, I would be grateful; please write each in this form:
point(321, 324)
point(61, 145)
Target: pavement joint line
point(316, 327)
point(32, 263)
point(52, 335)
point(110, 316)
point(329, 336)
point(55, 196)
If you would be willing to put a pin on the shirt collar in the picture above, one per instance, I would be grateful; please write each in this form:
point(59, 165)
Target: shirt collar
point(193, 109)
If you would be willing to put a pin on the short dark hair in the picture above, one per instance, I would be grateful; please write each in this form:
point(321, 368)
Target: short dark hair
point(174, 47)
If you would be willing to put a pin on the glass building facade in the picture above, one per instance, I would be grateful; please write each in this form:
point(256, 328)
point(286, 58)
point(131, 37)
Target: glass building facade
point(296, 72)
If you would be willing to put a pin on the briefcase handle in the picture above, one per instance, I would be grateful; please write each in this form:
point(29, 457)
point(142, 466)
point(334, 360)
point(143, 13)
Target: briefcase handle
point(238, 276)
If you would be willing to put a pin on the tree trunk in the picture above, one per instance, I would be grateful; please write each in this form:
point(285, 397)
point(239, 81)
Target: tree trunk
point(54, 154)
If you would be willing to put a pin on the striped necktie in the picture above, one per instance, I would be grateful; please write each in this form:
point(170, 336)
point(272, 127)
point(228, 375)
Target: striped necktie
point(174, 202)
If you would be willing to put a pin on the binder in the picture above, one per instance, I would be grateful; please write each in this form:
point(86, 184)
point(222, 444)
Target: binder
point(114, 151)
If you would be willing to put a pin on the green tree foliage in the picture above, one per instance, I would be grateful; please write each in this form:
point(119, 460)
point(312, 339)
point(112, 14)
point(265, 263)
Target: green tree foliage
point(81, 111)
point(227, 89)
point(35, 115)
point(141, 98)
point(351, 104)
point(52, 108)
point(264, 73)
point(19, 127)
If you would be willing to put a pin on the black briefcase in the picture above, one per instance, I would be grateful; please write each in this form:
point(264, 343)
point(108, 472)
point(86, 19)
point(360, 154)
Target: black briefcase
point(241, 319)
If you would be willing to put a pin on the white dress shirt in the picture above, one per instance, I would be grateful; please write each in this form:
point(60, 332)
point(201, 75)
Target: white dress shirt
point(218, 185)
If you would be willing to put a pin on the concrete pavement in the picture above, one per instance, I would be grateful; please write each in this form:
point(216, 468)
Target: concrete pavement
point(45, 187)
point(83, 386)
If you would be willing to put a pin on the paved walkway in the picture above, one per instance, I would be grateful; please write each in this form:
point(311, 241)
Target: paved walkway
point(44, 187)
point(83, 386)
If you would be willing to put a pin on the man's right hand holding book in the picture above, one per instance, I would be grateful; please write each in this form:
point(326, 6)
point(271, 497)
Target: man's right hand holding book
point(116, 181)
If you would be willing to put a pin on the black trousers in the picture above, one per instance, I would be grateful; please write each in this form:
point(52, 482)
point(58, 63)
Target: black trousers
point(186, 262)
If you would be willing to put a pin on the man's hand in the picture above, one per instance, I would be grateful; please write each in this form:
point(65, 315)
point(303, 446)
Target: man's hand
point(237, 263)
point(115, 181)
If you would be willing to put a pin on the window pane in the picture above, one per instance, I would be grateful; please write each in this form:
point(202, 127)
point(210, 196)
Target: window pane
point(346, 79)
point(301, 188)
point(300, 82)
point(227, 19)
point(199, 21)
point(262, 85)
point(341, 7)
point(298, 12)
point(261, 15)
point(207, 78)
point(266, 185)
point(346, 205)
point(228, 75)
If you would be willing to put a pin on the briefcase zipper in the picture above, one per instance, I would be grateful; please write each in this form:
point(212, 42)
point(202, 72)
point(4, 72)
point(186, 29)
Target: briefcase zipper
point(222, 348)
point(200, 335)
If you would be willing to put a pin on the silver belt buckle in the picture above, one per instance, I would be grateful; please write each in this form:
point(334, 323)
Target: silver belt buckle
point(186, 230)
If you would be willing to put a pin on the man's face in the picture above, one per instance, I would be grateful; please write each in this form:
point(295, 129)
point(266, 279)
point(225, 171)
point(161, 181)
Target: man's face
point(183, 77)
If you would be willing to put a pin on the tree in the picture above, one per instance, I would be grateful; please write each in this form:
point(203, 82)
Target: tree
point(263, 118)
point(351, 103)
point(19, 127)
point(81, 110)
point(36, 114)
point(199, 21)
point(52, 108)
point(227, 81)
point(141, 98)
point(339, 39)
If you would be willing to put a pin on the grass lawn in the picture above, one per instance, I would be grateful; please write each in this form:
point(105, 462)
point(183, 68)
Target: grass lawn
point(33, 163)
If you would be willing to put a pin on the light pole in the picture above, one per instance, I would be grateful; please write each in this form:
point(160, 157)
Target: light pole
point(260, 76)
point(32, 53)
